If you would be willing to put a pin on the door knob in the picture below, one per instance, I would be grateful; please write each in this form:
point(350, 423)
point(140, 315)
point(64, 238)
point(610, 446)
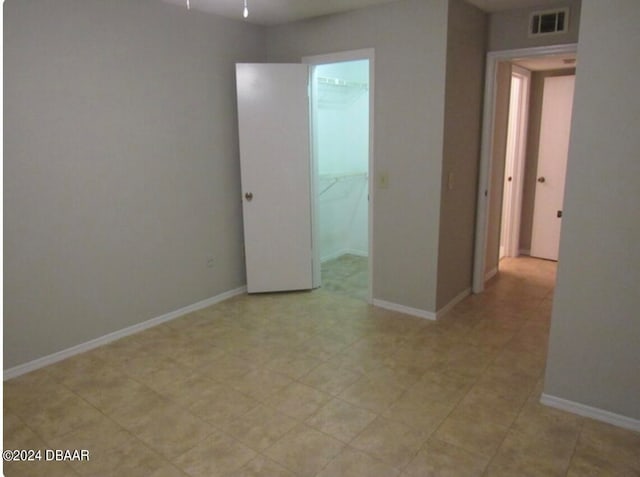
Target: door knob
point(541, 179)
point(248, 196)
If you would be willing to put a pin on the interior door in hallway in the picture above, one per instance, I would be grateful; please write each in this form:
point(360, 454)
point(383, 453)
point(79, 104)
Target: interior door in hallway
point(275, 167)
point(555, 128)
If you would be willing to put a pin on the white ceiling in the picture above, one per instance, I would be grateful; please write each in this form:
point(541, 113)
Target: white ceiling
point(273, 12)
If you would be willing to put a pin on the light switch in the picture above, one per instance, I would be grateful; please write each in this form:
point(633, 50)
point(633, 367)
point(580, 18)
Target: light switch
point(450, 181)
point(383, 180)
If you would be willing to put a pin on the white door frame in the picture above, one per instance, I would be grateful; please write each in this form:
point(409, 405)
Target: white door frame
point(486, 152)
point(352, 55)
point(514, 166)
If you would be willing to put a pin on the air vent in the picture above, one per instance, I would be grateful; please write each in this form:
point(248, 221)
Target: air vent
point(549, 22)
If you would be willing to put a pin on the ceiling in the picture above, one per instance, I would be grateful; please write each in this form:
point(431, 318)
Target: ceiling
point(274, 12)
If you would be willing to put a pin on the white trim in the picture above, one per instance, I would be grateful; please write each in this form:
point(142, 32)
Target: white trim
point(108, 338)
point(407, 310)
point(457, 299)
point(351, 55)
point(488, 124)
point(490, 274)
point(591, 412)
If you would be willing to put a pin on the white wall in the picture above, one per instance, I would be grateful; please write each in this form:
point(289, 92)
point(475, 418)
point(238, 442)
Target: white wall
point(409, 38)
point(342, 217)
point(121, 169)
point(341, 148)
point(341, 119)
point(594, 354)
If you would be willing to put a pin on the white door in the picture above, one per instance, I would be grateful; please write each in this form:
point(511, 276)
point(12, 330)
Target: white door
point(555, 127)
point(273, 123)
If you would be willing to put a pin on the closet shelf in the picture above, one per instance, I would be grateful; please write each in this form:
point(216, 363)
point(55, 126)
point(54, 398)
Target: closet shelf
point(334, 179)
point(336, 93)
point(326, 81)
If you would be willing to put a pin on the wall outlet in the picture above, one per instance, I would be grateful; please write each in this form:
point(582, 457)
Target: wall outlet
point(210, 261)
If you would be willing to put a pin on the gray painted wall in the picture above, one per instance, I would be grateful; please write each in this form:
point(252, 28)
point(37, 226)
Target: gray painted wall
point(594, 354)
point(466, 35)
point(120, 165)
point(409, 38)
point(509, 29)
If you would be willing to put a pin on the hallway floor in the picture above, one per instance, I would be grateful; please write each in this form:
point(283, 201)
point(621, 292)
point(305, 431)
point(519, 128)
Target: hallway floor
point(320, 384)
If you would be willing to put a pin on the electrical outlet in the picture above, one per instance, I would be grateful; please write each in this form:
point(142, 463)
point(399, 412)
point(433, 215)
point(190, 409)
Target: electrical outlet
point(210, 262)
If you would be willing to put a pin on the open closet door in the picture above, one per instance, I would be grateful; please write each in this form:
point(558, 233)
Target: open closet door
point(275, 165)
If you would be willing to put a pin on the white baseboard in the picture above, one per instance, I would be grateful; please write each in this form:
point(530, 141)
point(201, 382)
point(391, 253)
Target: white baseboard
point(102, 340)
point(591, 412)
point(457, 299)
point(407, 310)
point(490, 274)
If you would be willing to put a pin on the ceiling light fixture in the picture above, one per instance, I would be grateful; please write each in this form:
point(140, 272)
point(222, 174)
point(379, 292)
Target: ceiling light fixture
point(245, 11)
point(188, 5)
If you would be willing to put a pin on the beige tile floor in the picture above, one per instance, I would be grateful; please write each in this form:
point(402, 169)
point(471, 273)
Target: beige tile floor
point(320, 384)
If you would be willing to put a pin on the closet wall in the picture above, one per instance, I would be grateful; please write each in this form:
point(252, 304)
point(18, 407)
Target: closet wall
point(341, 148)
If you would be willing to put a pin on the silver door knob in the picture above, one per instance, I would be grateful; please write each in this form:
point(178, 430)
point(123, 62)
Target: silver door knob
point(541, 179)
point(248, 196)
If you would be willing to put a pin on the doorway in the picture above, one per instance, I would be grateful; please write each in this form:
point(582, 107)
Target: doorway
point(490, 220)
point(341, 112)
point(518, 117)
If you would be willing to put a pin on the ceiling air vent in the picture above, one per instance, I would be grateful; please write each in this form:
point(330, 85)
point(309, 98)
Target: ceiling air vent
point(549, 22)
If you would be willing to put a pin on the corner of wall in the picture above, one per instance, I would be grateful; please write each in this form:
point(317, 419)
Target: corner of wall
point(465, 63)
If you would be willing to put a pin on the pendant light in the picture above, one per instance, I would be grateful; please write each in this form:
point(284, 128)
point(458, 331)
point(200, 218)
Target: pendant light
point(245, 11)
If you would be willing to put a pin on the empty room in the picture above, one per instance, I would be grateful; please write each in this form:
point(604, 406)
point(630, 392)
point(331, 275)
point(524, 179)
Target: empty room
point(276, 238)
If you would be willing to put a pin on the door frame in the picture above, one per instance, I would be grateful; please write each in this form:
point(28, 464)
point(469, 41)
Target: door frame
point(339, 57)
point(486, 150)
point(516, 151)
